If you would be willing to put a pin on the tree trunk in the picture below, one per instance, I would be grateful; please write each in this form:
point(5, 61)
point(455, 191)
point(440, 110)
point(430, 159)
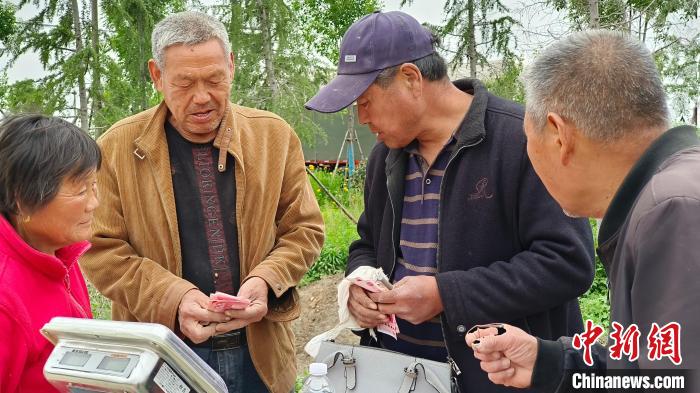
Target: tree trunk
point(268, 55)
point(82, 91)
point(471, 32)
point(594, 19)
point(96, 94)
point(646, 26)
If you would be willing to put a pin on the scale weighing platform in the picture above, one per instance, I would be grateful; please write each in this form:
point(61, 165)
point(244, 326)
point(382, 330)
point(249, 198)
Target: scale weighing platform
point(126, 357)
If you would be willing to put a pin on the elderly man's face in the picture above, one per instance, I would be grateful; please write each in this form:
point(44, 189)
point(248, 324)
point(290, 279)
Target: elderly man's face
point(390, 114)
point(196, 85)
point(544, 151)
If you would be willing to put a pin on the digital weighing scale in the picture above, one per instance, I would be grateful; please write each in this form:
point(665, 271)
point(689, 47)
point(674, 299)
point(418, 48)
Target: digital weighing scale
point(110, 356)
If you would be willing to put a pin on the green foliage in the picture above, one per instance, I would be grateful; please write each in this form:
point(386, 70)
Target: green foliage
point(101, 306)
point(8, 21)
point(34, 96)
point(299, 383)
point(53, 46)
point(127, 83)
point(677, 51)
point(594, 303)
point(326, 21)
point(482, 28)
point(340, 231)
point(506, 83)
point(336, 183)
point(679, 63)
point(275, 74)
point(357, 180)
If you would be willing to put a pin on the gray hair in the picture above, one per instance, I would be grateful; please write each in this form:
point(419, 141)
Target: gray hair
point(604, 82)
point(432, 66)
point(188, 28)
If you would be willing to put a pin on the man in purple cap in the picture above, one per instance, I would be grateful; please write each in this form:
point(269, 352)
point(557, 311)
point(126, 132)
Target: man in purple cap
point(454, 212)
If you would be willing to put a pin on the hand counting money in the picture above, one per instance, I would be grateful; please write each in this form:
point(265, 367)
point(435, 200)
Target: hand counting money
point(390, 328)
point(220, 302)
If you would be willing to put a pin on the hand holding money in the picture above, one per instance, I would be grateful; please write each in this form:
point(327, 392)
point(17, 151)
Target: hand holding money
point(254, 290)
point(415, 299)
point(220, 302)
point(386, 323)
point(196, 321)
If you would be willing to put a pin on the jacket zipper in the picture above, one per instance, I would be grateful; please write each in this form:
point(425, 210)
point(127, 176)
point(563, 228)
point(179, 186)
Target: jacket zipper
point(450, 360)
point(393, 224)
point(66, 281)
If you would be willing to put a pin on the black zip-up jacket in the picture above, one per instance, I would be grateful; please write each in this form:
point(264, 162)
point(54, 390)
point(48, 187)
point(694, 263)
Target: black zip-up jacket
point(506, 251)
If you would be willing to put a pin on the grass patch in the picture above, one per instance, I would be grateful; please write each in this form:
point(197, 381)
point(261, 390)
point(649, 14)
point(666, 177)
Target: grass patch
point(340, 231)
point(101, 306)
point(594, 303)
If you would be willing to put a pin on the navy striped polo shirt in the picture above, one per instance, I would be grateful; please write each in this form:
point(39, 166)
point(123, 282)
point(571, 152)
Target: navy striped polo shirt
point(418, 248)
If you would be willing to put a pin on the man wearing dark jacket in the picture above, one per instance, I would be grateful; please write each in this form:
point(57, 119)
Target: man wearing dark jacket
point(454, 213)
point(597, 130)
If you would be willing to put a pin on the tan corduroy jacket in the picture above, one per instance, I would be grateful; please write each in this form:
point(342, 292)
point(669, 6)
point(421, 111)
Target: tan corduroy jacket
point(135, 258)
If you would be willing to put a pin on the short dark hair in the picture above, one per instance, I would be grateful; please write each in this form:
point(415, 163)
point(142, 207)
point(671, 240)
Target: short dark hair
point(432, 67)
point(37, 153)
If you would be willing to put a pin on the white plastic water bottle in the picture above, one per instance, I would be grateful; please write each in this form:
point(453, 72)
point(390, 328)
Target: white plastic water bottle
point(317, 381)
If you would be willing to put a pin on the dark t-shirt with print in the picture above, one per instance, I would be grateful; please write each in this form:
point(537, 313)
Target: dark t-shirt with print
point(205, 200)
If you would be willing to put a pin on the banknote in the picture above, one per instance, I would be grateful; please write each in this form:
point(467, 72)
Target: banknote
point(220, 302)
point(390, 327)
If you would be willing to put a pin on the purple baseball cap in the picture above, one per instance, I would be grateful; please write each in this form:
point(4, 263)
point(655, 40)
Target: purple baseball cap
point(376, 41)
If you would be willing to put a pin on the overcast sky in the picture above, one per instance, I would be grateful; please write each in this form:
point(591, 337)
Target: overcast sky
point(425, 11)
point(28, 66)
point(540, 26)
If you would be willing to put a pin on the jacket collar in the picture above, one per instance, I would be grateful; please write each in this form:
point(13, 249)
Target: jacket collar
point(471, 131)
point(152, 141)
point(54, 267)
point(669, 143)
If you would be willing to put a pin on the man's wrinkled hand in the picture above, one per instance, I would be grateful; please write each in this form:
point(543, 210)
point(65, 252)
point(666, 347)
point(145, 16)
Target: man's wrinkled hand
point(196, 322)
point(363, 309)
point(415, 299)
point(254, 289)
point(508, 358)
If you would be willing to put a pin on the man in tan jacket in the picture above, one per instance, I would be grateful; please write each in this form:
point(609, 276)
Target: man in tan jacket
point(201, 195)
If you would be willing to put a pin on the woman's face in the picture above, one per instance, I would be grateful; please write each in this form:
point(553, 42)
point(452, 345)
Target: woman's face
point(66, 219)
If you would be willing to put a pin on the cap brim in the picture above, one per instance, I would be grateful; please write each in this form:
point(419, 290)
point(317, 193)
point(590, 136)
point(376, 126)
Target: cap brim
point(341, 92)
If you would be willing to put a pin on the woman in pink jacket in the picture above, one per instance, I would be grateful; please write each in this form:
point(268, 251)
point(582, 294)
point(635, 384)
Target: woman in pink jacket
point(48, 193)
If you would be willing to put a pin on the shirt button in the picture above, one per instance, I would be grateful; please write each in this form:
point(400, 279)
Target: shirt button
point(461, 329)
point(279, 287)
point(427, 181)
point(216, 275)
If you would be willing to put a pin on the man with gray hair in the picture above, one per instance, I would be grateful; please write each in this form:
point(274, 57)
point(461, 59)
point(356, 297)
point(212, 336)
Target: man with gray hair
point(597, 134)
point(200, 195)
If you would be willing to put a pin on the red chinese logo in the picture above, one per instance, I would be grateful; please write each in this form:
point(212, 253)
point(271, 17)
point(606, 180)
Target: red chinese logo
point(665, 342)
point(586, 339)
point(624, 342)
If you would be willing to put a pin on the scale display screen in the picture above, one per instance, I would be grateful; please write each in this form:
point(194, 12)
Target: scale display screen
point(94, 356)
point(75, 358)
point(115, 364)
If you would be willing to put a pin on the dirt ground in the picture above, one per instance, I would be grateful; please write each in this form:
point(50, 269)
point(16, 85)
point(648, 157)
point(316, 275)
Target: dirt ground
point(319, 312)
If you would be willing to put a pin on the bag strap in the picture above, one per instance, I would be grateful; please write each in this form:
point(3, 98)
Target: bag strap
point(411, 374)
point(349, 363)
point(409, 379)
